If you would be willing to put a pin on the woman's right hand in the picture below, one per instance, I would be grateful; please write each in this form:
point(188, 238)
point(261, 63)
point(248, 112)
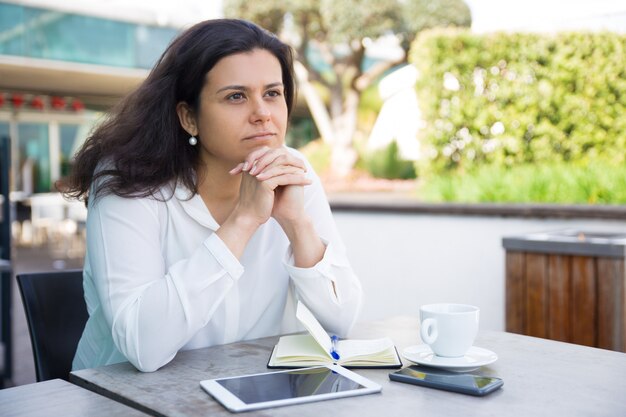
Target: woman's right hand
point(256, 199)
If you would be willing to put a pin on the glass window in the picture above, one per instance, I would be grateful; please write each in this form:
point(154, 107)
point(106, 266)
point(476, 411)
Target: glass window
point(68, 135)
point(151, 42)
point(50, 34)
point(33, 158)
point(72, 138)
point(4, 134)
point(4, 129)
point(56, 35)
point(12, 29)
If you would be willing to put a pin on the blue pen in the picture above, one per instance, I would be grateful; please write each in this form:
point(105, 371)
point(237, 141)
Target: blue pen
point(333, 349)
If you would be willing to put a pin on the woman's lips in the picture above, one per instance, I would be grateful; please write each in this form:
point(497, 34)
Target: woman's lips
point(260, 136)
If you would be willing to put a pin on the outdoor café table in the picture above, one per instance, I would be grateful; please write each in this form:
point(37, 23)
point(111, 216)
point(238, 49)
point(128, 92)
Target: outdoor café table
point(58, 398)
point(541, 378)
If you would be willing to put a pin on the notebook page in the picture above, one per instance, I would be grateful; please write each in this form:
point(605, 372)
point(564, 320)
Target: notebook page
point(353, 348)
point(300, 345)
point(313, 326)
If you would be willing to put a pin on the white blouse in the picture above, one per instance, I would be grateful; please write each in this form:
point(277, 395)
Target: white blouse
point(157, 280)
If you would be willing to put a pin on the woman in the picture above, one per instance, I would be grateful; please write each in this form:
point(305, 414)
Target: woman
point(203, 228)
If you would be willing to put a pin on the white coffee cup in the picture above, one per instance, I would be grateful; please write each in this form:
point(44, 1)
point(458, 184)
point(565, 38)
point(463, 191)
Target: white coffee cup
point(449, 329)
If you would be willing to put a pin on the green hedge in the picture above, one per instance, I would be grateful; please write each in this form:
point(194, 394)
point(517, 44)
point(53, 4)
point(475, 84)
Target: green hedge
point(506, 100)
point(387, 163)
point(545, 183)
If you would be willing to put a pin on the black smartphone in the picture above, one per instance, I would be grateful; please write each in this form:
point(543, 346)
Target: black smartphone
point(464, 383)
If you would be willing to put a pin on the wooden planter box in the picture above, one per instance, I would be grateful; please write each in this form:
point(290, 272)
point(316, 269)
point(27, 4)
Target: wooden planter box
point(568, 286)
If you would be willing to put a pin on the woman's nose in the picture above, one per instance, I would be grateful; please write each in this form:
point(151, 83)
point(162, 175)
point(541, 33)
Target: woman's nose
point(260, 112)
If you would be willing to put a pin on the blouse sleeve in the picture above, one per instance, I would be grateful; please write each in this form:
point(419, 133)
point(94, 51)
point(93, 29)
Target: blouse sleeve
point(330, 289)
point(152, 310)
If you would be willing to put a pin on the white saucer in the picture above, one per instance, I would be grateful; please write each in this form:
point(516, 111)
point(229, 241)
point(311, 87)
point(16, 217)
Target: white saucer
point(473, 359)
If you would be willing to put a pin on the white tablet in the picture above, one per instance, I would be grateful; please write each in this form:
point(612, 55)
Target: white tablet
point(292, 386)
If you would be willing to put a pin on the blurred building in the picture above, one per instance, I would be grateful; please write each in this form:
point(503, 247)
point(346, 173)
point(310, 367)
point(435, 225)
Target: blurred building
point(63, 62)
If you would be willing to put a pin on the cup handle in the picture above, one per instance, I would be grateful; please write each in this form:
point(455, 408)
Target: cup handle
point(428, 331)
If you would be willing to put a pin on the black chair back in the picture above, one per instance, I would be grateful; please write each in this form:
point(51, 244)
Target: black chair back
point(5, 211)
point(56, 313)
point(5, 262)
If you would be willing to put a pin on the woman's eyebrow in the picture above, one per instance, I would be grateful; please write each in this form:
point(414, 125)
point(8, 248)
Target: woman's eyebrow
point(232, 87)
point(272, 85)
point(244, 88)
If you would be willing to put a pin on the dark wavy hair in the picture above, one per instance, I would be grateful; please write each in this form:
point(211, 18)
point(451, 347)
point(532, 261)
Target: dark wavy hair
point(141, 145)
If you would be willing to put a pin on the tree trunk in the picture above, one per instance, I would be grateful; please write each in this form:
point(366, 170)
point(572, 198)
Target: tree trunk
point(344, 126)
point(336, 127)
point(316, 105)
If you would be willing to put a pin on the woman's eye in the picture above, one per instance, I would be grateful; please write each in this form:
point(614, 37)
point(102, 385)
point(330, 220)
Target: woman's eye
point(236, 96)
point(273, 93)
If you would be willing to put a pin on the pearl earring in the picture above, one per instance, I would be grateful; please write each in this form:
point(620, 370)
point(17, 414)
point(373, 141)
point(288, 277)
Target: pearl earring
point(193, 141)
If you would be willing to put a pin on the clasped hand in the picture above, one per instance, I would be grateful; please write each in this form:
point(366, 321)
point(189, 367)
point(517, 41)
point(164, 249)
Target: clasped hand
point(272, 186)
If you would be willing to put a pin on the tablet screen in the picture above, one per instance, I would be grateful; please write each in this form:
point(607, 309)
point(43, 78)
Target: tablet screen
point(291, 384)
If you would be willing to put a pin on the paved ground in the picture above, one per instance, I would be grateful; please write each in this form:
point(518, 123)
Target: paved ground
point(30, 260)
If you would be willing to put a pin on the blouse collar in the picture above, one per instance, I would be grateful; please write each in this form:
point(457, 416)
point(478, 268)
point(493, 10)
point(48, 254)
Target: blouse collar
point(194, 206)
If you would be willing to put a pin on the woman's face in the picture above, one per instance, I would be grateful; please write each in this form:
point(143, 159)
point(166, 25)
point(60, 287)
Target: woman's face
point(242, 107)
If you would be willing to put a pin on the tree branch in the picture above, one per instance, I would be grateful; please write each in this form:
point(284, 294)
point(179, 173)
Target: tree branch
point(368, 77)
point(312, 73)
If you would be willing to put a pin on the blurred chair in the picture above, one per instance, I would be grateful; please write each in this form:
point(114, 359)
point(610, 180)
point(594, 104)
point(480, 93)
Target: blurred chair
point(48, 211)
point(56, 314)
point(57, 223)
point(75, 227)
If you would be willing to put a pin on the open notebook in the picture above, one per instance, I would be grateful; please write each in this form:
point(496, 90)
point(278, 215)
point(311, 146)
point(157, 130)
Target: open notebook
point(315, 348)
